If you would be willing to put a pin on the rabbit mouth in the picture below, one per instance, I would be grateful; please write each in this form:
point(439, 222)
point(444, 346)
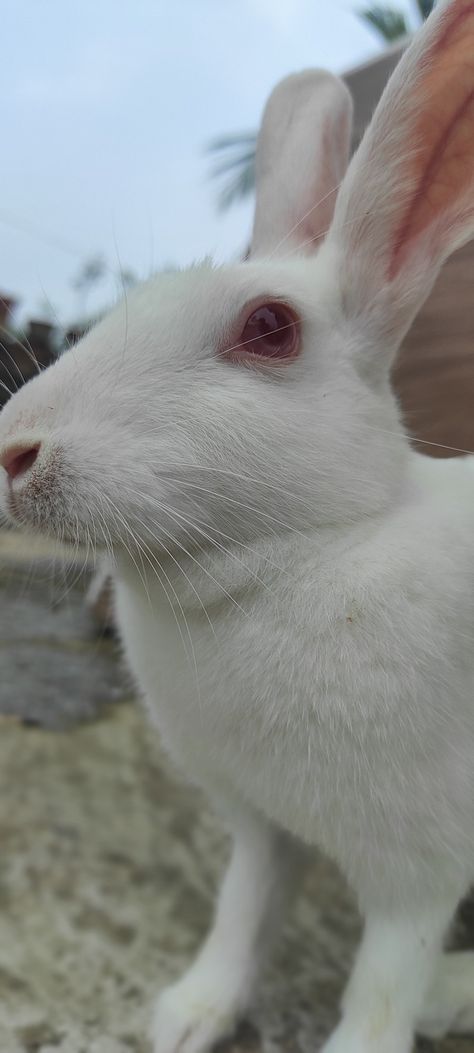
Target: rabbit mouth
point(39, 496)
point(38, 510)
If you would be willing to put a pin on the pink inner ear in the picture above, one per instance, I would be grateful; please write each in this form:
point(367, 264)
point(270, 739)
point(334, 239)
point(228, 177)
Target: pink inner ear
point(441, 143)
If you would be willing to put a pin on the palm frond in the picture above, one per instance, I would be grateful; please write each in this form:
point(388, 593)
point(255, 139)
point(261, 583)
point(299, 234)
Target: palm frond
point(425, 7)
point(236, 166)
point(232, 141)
point(235, 153)
point(388, 22)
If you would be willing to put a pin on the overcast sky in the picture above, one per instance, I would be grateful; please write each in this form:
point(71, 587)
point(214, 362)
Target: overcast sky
point(107, 106)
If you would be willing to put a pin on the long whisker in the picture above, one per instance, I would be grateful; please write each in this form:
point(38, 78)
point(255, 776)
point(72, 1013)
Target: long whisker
point(4, 350)
point(73, 561)
point(196, 521)
point(177, 564)
point(242, 343)
point(295, 250)
point(26, 346)
point(424, 442)
point(302, 219)
point(117, 512)
point(237, 475)
point(190, 555)
point(250, 508)
point(158, 571)
point(179, 517)
point(125, 302)
point(157, 568)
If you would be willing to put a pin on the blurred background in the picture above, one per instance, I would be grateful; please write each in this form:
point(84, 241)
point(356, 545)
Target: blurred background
point(115, 116)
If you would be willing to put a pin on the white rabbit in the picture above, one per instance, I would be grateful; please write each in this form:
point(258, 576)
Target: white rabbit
point(295, 586)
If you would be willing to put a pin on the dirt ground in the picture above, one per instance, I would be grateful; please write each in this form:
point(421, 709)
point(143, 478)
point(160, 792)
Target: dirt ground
point(109, 862)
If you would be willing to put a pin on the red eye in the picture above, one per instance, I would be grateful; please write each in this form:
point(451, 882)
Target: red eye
point(271, 332)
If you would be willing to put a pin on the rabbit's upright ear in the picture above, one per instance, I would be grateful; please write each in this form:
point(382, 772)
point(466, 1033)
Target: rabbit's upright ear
point(407, 200)
point(302, 154)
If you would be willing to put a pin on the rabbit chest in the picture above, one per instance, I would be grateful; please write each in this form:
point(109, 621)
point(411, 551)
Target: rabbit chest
point(337, 699)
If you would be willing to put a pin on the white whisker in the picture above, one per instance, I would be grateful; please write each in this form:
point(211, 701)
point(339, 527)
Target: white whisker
point(241, 504)
point(236, 475)
point(193, 558)
point(179, 517)
point(302, 219)
point(157, 568)
point(177, 563)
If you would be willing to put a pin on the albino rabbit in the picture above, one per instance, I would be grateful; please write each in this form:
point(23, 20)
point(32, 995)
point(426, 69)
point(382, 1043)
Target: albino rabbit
point(295, 586)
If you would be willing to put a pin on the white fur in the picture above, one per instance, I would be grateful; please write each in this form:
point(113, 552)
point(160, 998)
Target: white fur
point(295, 590)
point(303, 110)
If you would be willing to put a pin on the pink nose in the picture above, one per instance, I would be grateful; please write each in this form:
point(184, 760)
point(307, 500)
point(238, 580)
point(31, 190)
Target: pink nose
point(17, 459)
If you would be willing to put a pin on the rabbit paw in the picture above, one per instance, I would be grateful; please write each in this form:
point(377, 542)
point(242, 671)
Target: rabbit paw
point(349, 1040)
point(190, 1017)
point(450, 1004)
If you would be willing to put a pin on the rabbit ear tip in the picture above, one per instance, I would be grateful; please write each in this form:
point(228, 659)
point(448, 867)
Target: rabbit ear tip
point(302, 153)
point(440, 143)
point(452, 17)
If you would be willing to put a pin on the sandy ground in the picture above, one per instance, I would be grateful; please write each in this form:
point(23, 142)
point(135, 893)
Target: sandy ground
point(109, 862)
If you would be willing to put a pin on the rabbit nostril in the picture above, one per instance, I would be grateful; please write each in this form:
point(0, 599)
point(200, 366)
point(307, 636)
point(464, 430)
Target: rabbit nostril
point(17, 459)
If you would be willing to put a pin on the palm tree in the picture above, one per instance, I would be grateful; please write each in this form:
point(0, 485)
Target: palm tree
point(389, 23)
point(236, 153)
point(237, 166)
point(392, 24)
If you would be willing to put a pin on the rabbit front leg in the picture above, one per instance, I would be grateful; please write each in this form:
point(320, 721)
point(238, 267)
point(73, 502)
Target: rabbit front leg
point(204, 1006)
point(392, 974)
point(449, 1006)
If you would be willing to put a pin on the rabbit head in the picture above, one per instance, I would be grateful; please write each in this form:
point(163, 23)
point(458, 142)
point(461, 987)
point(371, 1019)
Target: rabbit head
point(254, 398)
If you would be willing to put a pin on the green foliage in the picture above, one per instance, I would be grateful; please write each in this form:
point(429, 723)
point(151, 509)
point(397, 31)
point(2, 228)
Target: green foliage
point(388, 22)
point(236, 166)
point(391, 23)
point(236, 153)
point(425, 7)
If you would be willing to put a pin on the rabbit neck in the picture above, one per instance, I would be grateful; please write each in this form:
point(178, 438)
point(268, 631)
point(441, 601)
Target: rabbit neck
point(215, 575)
